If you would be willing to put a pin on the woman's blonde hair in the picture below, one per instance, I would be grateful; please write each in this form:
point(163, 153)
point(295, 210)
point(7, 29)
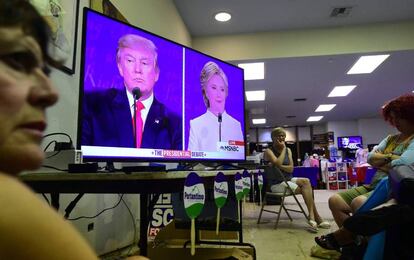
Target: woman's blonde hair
point(276, 132)
point(209, 70)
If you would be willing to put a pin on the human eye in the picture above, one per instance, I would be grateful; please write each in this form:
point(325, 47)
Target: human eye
point(20, 61)
point(145, 62)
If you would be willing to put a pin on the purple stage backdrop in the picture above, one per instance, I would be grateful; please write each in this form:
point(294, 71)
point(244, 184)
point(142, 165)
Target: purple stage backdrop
point(100, 61)
point(195, 107)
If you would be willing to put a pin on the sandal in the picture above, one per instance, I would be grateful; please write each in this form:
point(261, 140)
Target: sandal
point(324, 224)
point(328, 242)
point(313, 226)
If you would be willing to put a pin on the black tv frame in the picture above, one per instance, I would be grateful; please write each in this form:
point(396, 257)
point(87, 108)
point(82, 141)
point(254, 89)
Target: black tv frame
point(144, 159)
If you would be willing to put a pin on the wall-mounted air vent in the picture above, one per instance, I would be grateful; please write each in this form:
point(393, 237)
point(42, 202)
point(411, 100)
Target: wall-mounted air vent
point(341, 12)
point(290, 116)
point(299, 99)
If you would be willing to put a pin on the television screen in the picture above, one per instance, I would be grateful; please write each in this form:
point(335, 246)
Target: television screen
point(146, 98)
point(350, 142)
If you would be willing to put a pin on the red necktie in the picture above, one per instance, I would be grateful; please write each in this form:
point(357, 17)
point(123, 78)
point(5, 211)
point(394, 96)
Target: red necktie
point(138, 122)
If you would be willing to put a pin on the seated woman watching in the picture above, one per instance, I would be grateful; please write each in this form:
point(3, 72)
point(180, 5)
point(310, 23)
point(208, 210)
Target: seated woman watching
point(394, 150)
point(280, 156)
point(29, 228)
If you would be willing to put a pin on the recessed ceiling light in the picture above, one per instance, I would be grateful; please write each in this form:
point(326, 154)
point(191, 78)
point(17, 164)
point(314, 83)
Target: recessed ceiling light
point(324, 108)
point(367, 64)
point(252, 71)
point(257, 95)
point(341, 91)
point(314, 118)
point(258, 121)
point(222, 16)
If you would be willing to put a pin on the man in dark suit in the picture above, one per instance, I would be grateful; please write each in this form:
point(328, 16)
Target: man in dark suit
point(108, 115)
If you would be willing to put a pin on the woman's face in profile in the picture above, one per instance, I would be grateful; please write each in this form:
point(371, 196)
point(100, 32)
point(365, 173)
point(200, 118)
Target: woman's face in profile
point(402, 125)
point(216, 94)
point(25, 93)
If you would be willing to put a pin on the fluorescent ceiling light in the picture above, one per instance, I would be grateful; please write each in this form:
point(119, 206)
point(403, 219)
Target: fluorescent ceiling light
point(314, 118)
point(257, 95)
point(257, 110)
point(324, 108)
point(253, 70)
point(222, 17)
point(367, 64)
point(341, 91)
point(259, 121)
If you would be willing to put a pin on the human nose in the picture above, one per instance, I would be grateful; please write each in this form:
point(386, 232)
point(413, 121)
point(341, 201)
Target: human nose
point(43, 93)
point(138, 67)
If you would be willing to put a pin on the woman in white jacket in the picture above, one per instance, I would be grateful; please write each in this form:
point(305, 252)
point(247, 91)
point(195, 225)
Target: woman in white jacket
point(215, 125)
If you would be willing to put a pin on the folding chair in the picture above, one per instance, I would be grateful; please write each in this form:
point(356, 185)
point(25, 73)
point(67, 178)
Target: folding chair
point(269, 174)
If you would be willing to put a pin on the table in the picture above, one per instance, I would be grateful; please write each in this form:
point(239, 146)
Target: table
point(143, 183)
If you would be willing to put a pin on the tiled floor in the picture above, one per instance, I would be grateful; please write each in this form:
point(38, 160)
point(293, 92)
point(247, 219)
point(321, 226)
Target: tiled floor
point(291, 240)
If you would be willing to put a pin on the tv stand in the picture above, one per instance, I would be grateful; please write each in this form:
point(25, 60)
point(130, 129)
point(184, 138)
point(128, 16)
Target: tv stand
point(150, 168)
point(228, 166)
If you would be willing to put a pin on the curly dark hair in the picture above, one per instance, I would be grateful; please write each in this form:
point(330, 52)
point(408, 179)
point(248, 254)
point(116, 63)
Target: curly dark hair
point(402, 107)
point(22, 14)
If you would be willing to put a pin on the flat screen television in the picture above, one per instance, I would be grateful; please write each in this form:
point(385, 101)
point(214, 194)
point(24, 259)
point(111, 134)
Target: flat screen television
point(349, 142)
point(192, 104)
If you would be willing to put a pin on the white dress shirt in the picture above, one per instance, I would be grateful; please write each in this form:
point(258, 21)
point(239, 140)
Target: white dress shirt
point(204, 131)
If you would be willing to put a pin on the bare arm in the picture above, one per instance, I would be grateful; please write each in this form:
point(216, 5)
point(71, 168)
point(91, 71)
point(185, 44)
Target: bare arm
point(278, 161)
point(30, 229)
point(379, 159)
point(271, 157)
point(288, 168)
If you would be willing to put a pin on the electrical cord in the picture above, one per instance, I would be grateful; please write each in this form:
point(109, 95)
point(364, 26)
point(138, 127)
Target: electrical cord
point(53, 155)
point(59, 133)
point(54, 168)
point(102, 211)
point(59, 145)
point(44, 196)
point(133, 222)
point(47, 146)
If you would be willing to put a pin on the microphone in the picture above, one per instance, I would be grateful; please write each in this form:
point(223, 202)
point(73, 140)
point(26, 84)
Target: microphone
point(136, 92)
point(220, 119)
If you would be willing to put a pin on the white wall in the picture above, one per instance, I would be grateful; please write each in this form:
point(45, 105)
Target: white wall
point(342, 128)
point(114, 228)
point(304, 133)
point(373, 130)
point(319, 129)
point(264, 135)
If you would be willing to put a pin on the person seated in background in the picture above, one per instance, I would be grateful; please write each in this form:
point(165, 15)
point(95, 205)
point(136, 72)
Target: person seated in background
point(394, 150)
point(29, 228)
point(280, 157)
